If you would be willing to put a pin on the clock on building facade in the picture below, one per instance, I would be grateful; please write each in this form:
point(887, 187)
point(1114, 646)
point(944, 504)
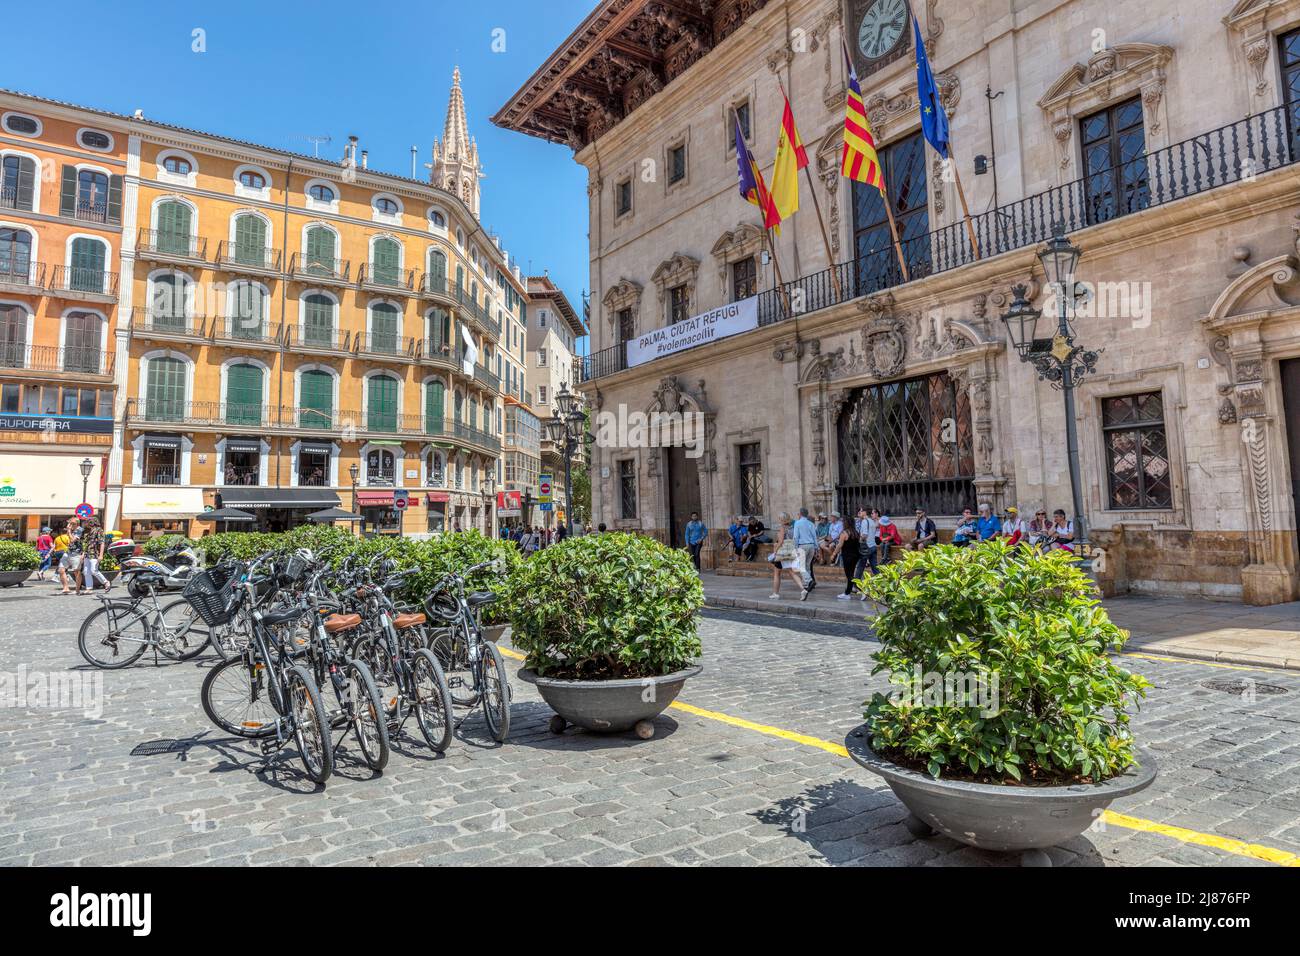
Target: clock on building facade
point(880, 32)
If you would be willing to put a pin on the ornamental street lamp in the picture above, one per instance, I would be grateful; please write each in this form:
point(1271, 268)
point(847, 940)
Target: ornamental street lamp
point(1057, 359)
point(86, 466)
point(567, 429)
point(355, 471)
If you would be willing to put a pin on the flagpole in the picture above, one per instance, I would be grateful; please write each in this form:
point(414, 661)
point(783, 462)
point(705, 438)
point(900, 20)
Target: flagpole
point(961, 195)
point(817, 206)
point(769, 240)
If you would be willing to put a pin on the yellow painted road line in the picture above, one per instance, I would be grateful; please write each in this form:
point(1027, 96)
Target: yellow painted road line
point(1253, 851)
point(1194, 660)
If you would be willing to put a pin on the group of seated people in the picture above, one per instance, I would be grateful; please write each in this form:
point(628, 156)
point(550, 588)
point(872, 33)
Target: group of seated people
point(1039, 532)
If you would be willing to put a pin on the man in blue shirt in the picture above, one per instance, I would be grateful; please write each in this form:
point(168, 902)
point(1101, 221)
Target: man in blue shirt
point(988, 524)
point(736, 531)
point(804, 533)
point(695, 535)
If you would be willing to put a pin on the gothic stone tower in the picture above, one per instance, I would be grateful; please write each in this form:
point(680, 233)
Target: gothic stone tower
point(455, 157)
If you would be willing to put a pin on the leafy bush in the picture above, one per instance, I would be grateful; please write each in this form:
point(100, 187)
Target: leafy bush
point(606, 606)
point(1028, 621)
point(18, 556)
point(157, 547)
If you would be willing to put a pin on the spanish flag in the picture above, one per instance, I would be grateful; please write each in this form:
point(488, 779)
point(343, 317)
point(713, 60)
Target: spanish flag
point(790, 158)
point(860, 162)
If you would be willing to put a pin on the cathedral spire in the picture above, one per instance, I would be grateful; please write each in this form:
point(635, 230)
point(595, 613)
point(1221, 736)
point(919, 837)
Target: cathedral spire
point(455, 158)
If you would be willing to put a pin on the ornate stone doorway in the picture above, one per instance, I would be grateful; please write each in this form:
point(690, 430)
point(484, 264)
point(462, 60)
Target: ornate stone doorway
point(683, 493)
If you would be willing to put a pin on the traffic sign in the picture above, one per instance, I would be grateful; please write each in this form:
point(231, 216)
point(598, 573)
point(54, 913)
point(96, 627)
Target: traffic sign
point(85, 510)
point(401, 498)
point(544, 488)
point(544, 505)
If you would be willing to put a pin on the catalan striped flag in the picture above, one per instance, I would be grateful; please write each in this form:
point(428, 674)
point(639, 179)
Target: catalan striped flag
point(860, 162)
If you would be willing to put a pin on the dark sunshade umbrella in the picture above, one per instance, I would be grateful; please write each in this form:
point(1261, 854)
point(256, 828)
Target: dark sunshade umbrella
point(227, 514)
point(333, 514)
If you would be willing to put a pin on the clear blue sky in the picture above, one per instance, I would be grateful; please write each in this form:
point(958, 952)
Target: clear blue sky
point(278, 73)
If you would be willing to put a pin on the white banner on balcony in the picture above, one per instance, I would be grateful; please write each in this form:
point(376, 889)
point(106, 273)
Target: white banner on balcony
point(471, 351)
point(731, 319)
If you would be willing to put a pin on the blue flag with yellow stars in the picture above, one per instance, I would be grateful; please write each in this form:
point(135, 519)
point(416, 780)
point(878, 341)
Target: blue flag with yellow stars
point(934, 121)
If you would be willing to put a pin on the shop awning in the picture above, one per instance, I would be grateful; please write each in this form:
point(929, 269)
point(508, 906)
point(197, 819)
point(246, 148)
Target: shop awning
point(161, 441)
point(310, 499)
point(372, 498)
point(439, 497)
point(158, 503)
point(316, 448)
point(243, 444)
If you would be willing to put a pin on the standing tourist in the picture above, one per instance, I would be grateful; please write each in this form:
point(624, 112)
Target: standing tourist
point(785, 558)
point(849, 548)
point(696, 532)
point(92, 551)
point(805, 539)
point(44, 548)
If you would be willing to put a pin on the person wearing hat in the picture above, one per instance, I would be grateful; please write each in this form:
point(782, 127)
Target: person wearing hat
point(888, 535)
point(1013, 529)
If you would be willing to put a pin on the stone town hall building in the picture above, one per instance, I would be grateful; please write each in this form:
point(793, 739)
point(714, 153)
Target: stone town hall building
point(1163, 136)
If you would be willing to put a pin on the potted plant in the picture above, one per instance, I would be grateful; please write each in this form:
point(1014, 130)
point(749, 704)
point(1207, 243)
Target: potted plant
point(17, 562)
point(1007, 727)
point(608, 626)
point(110, 568)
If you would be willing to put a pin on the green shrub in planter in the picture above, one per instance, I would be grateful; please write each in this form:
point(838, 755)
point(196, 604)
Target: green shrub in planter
point(157, 547)
point(606, 606)
point(1000, 661)
point(18, 556)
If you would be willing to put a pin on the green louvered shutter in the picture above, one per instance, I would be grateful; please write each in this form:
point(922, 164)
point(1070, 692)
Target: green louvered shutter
point(174, 228)
point(381, 413)
point(250, 241)
point(316, 399)
point(68, 192)
point(244, 395)
point(165, 391)
point(318, 320)
point(383, 328)
point(435, 407)
point(387, 262)
point(248, 316)
point(115, 200)
point(321, 252)
point(87, 272)
point(437, 272)
point(25, 185)
point(168, 306)
point(13, 336)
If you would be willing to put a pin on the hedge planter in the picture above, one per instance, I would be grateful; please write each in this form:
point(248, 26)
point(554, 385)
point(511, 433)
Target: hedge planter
point(609, 706)
point(14, 579)
point(997, 817)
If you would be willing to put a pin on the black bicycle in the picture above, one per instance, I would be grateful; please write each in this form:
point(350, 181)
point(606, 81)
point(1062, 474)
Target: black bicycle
point(268, 692)
point(475, 669)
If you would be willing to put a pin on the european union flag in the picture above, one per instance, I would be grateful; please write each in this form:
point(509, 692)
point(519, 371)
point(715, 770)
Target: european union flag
point(934, 121)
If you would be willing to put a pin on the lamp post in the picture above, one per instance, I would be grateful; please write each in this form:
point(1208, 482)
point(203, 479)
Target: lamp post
point(1057, 359)
point(86, 466)
point(568, 429)
point(354, 470)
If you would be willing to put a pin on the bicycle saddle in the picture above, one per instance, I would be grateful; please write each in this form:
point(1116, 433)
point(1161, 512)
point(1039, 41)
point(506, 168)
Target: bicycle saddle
point(403, 621)
point(480, 598)
point(282, 616)
point(341, 622)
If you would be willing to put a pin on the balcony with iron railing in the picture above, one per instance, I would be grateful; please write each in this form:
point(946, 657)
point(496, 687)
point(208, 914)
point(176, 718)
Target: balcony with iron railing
point(468, 433)
point(385, 279)
point(162, 245)
point(1239, 152)
point(478, 316)
point(199, 414)
point(91, 210)
point(254, 260)
point(320, 338)
point(79, 282)
point(9, 198)
point(484, 377)
point(22, 275)
point(320, 269)
point(152, 474)
point(71, 360)
point(388, 345)
point(236, 475)
point(433, 285)
point(247, 330)
point(167, 324)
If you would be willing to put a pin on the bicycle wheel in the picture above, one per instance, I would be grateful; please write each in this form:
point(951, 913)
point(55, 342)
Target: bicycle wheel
point(185, 634)
point(311, 729)
point(366, 711)
point(235, 698)
point(432, 700)
point(231, 640)
point(494, 688)
point(447, 645)
point(113, 636)
point(372, 651)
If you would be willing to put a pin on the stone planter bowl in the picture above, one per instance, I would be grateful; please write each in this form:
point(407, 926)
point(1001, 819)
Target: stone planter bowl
point(609, 706)
point(14, 579)
point(1000, 817)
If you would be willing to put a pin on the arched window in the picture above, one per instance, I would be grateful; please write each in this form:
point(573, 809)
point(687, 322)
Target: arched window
point(386, 206)
point(92, 196)
point(316, 399)
point(385, 321)
point(82, 335)
point(16, 256)
point(86, 268)
point(169, 305)
point(243, 395)
point(438, 331)
point(381, 403)
point(322, 252)
point(381, 467)
point(437, 271)
point(435, 412)
point(435, 464)
point(248, 311)
point(317, 319)
point(386, 261)
point(473, 412)
point(13, 336)
point(165, 389)
point(437, 219)
point(175, 226)
point(251, 179)
point(250, 240)
point(18, 182)
point(178, 165)
point(458, 407)
point(321, 193)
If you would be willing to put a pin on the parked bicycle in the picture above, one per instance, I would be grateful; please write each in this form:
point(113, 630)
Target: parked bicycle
point(118, 632)
point(476, 671)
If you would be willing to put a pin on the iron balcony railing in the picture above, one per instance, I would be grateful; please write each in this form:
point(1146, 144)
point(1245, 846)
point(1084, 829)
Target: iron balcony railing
point(433, 283)
point(387, 279)
point(474, 436)
point(9, 197)
point(314, 478)
point(242, 475)
point(154, 242)
point(247, 329)
point(1238, 152)
point(161, 474)
point(90, 211)
point(74, 280)
point(319, 267)
point(477, 314)
point(236, 257)
point(22, 272)
point(180, 412)
point(319, 337)
point(389, 344)
point(439, 352)
point(487, 378)
point(80, 360)
point(165, 322)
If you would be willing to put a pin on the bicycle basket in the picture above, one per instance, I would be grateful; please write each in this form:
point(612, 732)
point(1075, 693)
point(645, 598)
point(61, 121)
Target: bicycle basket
point(292, 570)
point(212, 595)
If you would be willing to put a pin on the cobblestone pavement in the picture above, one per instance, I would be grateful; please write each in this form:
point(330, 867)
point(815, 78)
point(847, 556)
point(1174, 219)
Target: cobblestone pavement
point(703, 791)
